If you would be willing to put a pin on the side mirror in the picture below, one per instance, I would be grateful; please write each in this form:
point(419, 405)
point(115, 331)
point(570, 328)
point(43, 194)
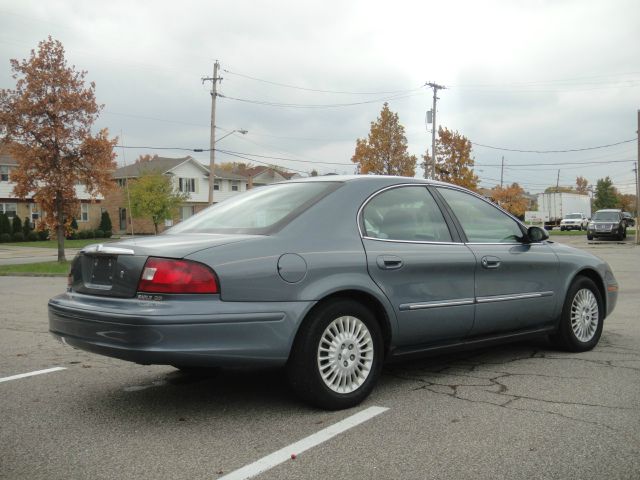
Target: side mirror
point(537, 234)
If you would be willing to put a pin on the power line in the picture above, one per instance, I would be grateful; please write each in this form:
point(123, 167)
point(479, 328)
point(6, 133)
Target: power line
point(318, 90)
point(554, 151)
point(328, 105)
point(230, 152)
point(553, 163)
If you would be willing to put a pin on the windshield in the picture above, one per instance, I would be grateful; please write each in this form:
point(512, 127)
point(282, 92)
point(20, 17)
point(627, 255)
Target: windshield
point(573, 215)
point(606, 217)
point(258, 211)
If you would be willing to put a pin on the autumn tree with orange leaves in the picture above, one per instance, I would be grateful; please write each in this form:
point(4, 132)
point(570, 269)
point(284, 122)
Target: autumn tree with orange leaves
point(384, 152)
point(511, 198)
point(454, 163)
point(582, 184)
point(46, 126)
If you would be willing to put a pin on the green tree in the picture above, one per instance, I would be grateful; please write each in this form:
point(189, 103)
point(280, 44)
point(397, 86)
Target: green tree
point(606, 195)
point(47, 123)
point(384, 152)
point(559, 189)
point(105, 223)
point(454, 163)
point(153, 195)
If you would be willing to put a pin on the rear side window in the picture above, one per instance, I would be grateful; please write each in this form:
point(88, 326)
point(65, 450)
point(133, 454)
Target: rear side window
point(481, 221)
point(259, 211)
point(405, 213)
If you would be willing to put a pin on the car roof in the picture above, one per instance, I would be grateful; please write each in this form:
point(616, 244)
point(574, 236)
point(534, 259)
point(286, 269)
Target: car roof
point(610, 210)
point(391, 179)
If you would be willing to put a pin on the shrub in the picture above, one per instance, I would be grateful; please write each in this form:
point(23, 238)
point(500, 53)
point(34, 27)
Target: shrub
point(82, 234)
point(99, 233)
point(72, 236)
point(16, 225)
point(43, 235)
point(74, 224)
point(5, 237)
point(105, 222)
point(33, 236)
point(27, 227)
point(108, 233)
point(5, 224)
point(18, 236)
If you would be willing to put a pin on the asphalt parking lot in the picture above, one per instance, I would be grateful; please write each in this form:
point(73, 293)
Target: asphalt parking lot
point(518, 411)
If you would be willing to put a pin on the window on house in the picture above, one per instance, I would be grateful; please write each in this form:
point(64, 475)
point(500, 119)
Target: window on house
point(235, 186)
point(84, 212)
point(9, 209)
point(4, 173)
point(187, 211)
point(216, 184)
point(34, 210)
point(187, 185)
point(122, 182)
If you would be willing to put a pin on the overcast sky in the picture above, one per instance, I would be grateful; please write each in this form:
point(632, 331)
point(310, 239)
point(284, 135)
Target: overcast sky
point(538, 75)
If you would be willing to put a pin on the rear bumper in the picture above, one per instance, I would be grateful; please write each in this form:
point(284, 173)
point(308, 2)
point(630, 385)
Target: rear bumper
point(213, 333)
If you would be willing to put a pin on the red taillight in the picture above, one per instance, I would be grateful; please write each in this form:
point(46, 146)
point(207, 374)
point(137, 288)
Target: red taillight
point(165, 275)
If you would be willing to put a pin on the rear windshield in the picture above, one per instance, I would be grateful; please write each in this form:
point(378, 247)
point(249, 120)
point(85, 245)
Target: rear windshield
point(259, 211)
point(606, 216)
point(573, 215)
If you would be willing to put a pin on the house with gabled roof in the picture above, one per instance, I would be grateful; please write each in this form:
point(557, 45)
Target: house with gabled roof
point(187, 174)
point(88, 217)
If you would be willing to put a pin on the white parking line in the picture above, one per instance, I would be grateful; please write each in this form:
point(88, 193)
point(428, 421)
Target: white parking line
point(31, 374)
point(284, 454)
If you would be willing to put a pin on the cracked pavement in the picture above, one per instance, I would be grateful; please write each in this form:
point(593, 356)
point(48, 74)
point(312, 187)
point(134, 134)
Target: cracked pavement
point(524, 410)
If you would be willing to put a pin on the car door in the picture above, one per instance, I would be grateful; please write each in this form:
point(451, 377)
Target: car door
point(516, 283)
point(413, 257)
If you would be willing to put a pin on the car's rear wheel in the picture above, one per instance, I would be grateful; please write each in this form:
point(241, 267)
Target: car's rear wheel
point(589, 237)
point(337, 356)
point(582, 317)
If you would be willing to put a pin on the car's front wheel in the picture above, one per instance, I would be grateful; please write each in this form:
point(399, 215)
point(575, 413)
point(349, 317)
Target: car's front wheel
point(337, 356)
point(582, 317)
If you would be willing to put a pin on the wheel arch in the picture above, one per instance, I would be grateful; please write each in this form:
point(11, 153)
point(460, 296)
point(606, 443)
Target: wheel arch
point(597, 279)
point(368, 300)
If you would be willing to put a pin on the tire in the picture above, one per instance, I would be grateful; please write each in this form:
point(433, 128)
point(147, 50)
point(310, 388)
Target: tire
point(621, 235)
point(582, 317)
point(562, 229)
point(589, 237)
point(334, 330)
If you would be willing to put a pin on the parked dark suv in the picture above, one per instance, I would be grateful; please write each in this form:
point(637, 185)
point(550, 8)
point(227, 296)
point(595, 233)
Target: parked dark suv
point(607, 223)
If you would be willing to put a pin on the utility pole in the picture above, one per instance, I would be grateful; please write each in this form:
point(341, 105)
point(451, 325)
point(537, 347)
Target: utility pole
point(638, 184)
point(558, 182)
point(502, 172)
point(432, 167)
point(212, 152)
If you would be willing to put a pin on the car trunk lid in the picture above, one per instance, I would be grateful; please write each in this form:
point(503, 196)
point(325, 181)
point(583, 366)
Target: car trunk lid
point(114, 269)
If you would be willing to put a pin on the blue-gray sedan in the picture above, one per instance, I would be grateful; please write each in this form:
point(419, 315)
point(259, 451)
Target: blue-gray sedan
point(330, 276)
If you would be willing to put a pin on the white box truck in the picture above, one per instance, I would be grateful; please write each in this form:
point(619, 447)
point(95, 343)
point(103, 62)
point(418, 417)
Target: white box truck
point(557, 205)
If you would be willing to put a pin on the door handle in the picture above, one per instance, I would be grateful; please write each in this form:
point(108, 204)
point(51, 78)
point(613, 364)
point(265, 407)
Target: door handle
point(389, 262)
point(490, 262)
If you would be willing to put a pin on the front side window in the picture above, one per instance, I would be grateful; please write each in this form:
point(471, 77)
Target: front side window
point(257, 211)
point(481, 221)
point(405, 214)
